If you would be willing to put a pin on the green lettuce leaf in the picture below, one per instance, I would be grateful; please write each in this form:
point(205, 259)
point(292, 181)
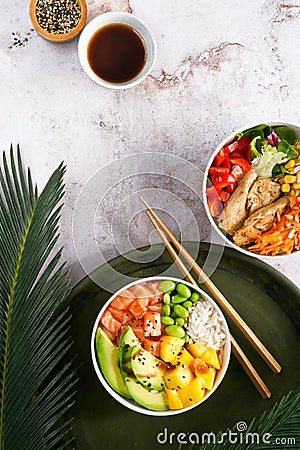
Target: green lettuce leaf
point(261, 130)
point(254, 151)
point(286, 133)
point(265, 163)
point(286, 148)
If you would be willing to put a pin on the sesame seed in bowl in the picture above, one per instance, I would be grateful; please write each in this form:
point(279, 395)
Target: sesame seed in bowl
point(56, 20)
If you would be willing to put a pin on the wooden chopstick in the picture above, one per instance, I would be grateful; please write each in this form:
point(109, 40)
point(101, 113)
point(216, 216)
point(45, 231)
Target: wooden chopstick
point(238, 352)
point(223, 302)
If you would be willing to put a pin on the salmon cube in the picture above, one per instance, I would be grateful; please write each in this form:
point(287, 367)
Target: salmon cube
point(123, 300)
point(138, 307)
point(152, 346)
point(152, 324)
point(110, 322)
point(121, 315)
point(141, 291)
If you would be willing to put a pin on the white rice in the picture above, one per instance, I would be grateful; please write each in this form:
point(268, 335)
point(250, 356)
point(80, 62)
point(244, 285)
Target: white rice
point(205, 325)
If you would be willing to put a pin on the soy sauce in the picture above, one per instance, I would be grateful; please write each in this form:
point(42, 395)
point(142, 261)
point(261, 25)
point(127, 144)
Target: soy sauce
point(116, 53)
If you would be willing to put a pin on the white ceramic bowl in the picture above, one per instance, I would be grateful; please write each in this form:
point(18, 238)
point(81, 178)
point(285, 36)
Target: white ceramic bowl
point(224, 143)
point(130, 403)
point(124, 18)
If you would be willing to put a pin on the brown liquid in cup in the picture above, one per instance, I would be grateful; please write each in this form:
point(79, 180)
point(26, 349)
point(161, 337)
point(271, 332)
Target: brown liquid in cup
point(116, 53)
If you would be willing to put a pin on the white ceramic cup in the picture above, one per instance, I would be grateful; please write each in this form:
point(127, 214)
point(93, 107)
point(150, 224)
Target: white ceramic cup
point(136, 24)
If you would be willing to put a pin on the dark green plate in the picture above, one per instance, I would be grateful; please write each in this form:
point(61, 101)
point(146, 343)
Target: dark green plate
point(268, 302)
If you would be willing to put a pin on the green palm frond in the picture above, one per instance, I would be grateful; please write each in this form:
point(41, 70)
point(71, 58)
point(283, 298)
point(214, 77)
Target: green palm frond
point(36, 389)
point(279, 426)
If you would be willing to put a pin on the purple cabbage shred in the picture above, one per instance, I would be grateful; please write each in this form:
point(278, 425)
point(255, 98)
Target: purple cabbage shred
point(273, 139)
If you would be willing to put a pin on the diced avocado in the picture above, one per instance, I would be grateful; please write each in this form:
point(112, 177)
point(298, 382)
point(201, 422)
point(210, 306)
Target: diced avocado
point(107, 355)
point(145, 368)
point(127, 341)
point(155, 401)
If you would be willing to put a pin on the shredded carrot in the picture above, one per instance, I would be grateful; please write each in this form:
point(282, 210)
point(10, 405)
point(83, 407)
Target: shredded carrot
point(294, 201)
point(284, 236)
point(252, 235)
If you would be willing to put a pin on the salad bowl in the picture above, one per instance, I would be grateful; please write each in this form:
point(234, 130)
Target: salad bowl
point(160, 346)
point(251, 189)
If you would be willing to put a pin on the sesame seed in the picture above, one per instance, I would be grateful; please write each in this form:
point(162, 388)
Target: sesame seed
point(58, 17)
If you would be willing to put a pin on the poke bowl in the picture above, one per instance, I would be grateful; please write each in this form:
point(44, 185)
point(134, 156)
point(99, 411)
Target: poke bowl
point(251, 189)
point(160, 346)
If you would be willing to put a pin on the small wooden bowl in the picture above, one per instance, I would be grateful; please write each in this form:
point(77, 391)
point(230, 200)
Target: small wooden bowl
point(58, 37)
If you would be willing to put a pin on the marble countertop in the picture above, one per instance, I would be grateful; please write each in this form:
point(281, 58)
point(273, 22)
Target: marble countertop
point(220, 65)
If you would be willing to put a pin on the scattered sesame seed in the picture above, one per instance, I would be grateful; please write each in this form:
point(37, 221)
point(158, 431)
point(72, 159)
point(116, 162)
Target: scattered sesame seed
point(17, 40)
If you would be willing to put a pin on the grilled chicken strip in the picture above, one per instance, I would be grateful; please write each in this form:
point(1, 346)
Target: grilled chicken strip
point(263, 192)
point(235, 212)
point(260, 221)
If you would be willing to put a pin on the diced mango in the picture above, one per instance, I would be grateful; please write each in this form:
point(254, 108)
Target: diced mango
point(178, 378)
point(174, 399)
point(210, 357)
point(170, 346)
point(183, 358)
point(196, 349)
point(206, 373)
point(193, 393)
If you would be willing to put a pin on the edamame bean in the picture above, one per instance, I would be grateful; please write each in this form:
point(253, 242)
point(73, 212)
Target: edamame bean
point(167, 320)
point(181, 311)
point(187, 304)
point(195, 297)
point(178, 299)
point(166, 310)
point(173, 315)
point(166, 286)
point(186, 338)
point(179, 321)
point(183, 290)
point(175, 330)
point(167, 298)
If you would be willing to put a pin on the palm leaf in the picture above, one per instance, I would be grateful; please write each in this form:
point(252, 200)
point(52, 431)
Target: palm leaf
point(280, 426)
point(36, 389)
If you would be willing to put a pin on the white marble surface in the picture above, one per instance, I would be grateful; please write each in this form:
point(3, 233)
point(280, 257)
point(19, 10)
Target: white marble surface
point(220, 65)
